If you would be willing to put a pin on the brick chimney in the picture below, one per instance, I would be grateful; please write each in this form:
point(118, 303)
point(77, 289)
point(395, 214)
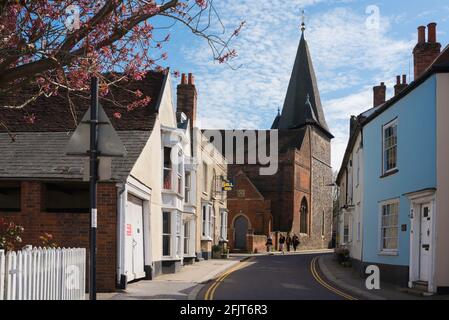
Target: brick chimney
point(187, 98)
point(400, 86)
point(380, 94)
point(425, 53)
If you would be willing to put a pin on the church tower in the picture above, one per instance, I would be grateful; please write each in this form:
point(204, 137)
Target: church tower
point(303, 110)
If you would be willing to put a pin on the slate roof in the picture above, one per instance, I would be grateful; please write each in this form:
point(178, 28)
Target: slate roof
point(53, 113)
point(38, 149)
point(303, 83)
point(39, 155)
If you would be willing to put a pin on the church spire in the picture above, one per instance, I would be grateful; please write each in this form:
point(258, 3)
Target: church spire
point(303, 93)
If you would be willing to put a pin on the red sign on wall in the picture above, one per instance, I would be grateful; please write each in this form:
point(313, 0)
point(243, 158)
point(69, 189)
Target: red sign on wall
point(129, 230)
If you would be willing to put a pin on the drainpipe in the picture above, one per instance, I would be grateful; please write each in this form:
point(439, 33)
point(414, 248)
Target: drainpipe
point(121, 207)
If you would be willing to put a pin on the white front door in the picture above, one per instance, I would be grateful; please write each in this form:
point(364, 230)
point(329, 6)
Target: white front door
point(425, 242)
point(134, 239)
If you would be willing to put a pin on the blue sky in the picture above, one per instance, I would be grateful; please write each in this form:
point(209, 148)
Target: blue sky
point(351, 53)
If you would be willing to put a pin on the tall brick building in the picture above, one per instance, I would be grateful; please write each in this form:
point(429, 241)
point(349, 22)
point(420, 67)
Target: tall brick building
point(299, 193)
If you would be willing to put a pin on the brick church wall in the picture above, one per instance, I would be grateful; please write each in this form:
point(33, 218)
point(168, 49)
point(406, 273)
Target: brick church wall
point(321, 192)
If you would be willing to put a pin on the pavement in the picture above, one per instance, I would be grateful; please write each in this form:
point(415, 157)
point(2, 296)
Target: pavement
point(349, 280)
point(183, 285)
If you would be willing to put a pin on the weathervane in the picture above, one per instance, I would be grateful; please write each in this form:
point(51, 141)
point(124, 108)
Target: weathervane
point(303, 24)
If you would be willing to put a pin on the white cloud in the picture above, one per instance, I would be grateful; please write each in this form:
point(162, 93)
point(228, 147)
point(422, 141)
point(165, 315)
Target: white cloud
point(348, 58)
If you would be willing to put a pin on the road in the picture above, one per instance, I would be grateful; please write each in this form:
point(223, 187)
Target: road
point(289, 277)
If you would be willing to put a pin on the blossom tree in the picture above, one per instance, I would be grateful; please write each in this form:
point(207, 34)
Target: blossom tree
point(56, 46)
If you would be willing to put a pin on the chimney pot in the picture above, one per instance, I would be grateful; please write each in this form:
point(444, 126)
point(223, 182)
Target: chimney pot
point(187, 98)
point(380, 94)
point(421, 34)
point(191, 79)
point(399, 87)
point(425, 53)
point(432, 30)
point(183, 79)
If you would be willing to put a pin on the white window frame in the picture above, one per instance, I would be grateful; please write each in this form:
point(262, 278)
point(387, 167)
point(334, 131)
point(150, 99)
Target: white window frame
point(188, 187)
point(224, 225)
point(358, 168)
point(180, 173)
point(211, 222)
point(346, 231)
point(382, 250)
point(169, 234)
point(205, 178)
point(206, 212)
point(186, 238)
point(384, 128)
point(169, 169)
point(178, 234)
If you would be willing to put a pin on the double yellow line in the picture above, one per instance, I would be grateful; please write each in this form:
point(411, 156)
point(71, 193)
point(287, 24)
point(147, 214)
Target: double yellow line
point(317, 277)
point(211, 291)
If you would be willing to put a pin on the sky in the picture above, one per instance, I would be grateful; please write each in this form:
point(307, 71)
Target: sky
point(355, 44)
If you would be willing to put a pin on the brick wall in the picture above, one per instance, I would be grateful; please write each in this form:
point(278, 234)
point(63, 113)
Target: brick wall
point(72, 229)
point(256, 243)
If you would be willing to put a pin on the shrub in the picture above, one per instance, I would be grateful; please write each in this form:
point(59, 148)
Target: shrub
point(10, 235)
point(47, 241)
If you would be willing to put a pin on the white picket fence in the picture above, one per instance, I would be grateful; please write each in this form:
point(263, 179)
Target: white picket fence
point(43, 274)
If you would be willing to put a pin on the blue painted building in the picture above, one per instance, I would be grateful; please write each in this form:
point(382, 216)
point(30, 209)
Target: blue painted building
point(405, 207)
point(412, 121)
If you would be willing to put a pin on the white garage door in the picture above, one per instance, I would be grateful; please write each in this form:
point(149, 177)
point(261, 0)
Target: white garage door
point(134, 248)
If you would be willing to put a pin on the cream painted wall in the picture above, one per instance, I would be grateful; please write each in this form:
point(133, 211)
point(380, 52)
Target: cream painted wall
point(215, 162)
point(442, 199)
point(351, 191)
point(167, 114)
point(147, 170)
point(357, 222)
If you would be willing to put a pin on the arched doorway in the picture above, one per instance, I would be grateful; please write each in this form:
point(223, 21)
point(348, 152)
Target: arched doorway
point(304, 217)
point(240, 232)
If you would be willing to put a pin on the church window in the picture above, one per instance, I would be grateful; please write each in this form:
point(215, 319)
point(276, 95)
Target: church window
point(304, 219)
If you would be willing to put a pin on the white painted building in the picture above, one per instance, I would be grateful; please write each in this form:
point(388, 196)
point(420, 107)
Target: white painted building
point(350, 182)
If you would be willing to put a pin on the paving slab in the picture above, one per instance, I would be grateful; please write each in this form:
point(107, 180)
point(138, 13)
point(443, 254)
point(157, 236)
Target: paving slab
point(179, 286)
